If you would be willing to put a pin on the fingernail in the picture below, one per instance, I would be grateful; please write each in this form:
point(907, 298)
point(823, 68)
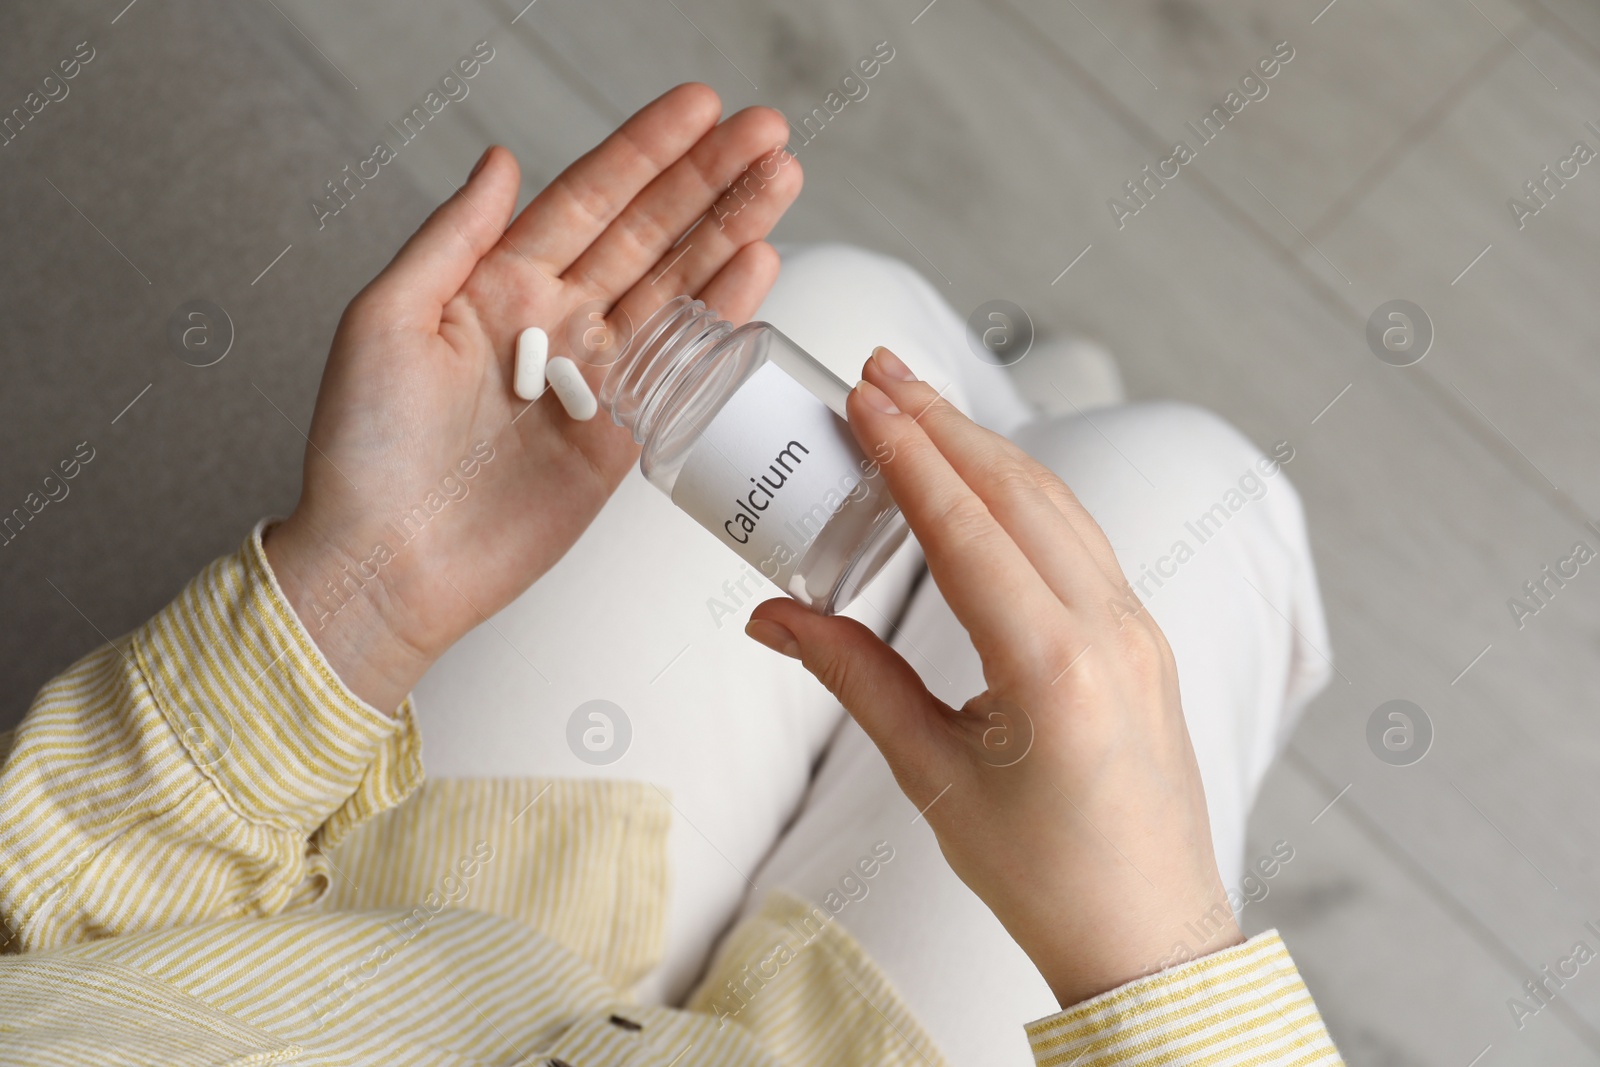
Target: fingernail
point(891, 365)
point(775, 637)
point(476, 167)
point(876, 397)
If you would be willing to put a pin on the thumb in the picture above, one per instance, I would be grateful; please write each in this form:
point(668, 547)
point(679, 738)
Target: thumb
point(875, 684)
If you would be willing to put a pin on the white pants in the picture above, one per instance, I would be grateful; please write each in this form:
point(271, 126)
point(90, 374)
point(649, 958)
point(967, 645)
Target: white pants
point(772, 785)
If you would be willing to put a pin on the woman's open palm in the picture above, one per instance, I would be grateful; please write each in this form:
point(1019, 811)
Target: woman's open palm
point(420, 374)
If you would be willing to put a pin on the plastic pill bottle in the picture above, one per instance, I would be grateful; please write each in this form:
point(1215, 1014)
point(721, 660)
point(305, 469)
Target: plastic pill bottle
point(746, 432)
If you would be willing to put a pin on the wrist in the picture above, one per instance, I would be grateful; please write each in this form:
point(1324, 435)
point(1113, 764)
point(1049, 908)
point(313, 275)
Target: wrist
point(1079, 969)
point(347, 615)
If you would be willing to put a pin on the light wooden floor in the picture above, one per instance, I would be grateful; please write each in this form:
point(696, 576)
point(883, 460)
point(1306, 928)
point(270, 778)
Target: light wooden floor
point(1377, 167)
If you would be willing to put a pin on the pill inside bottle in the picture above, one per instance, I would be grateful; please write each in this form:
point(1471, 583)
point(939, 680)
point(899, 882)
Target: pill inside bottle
point(744, 430)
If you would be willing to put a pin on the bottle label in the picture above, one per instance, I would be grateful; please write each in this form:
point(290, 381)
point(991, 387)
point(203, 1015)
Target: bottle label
point(769, 472)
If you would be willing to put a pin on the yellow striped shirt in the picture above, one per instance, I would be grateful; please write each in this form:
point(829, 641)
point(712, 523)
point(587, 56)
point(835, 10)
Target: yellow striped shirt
point(211, 852)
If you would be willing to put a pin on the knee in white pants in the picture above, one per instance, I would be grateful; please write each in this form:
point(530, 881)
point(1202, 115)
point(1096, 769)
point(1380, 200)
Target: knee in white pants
point(1211, 536)
point(839, 302)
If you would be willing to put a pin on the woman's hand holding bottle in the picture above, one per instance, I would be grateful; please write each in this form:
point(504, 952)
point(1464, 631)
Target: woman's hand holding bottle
point(1093, 849)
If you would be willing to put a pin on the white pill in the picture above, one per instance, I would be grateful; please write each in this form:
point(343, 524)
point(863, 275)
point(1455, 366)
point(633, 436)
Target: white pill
point(573, 392)
point(527, 374)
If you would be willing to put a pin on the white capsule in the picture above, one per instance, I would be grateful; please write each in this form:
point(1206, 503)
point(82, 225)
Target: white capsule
point(573, 392)
point(527, 374)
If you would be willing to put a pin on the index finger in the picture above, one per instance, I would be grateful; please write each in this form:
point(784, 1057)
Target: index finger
point(995, 593)
point(1059, 537)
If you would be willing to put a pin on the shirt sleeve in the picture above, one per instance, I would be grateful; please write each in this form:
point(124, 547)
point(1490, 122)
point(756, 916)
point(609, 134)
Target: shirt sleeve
point(1243, 1005)
point(197, 768)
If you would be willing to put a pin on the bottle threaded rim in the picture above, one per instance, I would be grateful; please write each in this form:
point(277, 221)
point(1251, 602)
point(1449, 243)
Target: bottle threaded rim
point(657, 361)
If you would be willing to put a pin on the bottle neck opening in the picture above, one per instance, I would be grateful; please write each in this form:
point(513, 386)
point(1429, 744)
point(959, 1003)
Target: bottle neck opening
point(667, 354)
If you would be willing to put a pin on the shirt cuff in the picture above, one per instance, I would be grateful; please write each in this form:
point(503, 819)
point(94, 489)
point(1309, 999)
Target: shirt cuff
point(1245, 1004)
point(257, 707)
